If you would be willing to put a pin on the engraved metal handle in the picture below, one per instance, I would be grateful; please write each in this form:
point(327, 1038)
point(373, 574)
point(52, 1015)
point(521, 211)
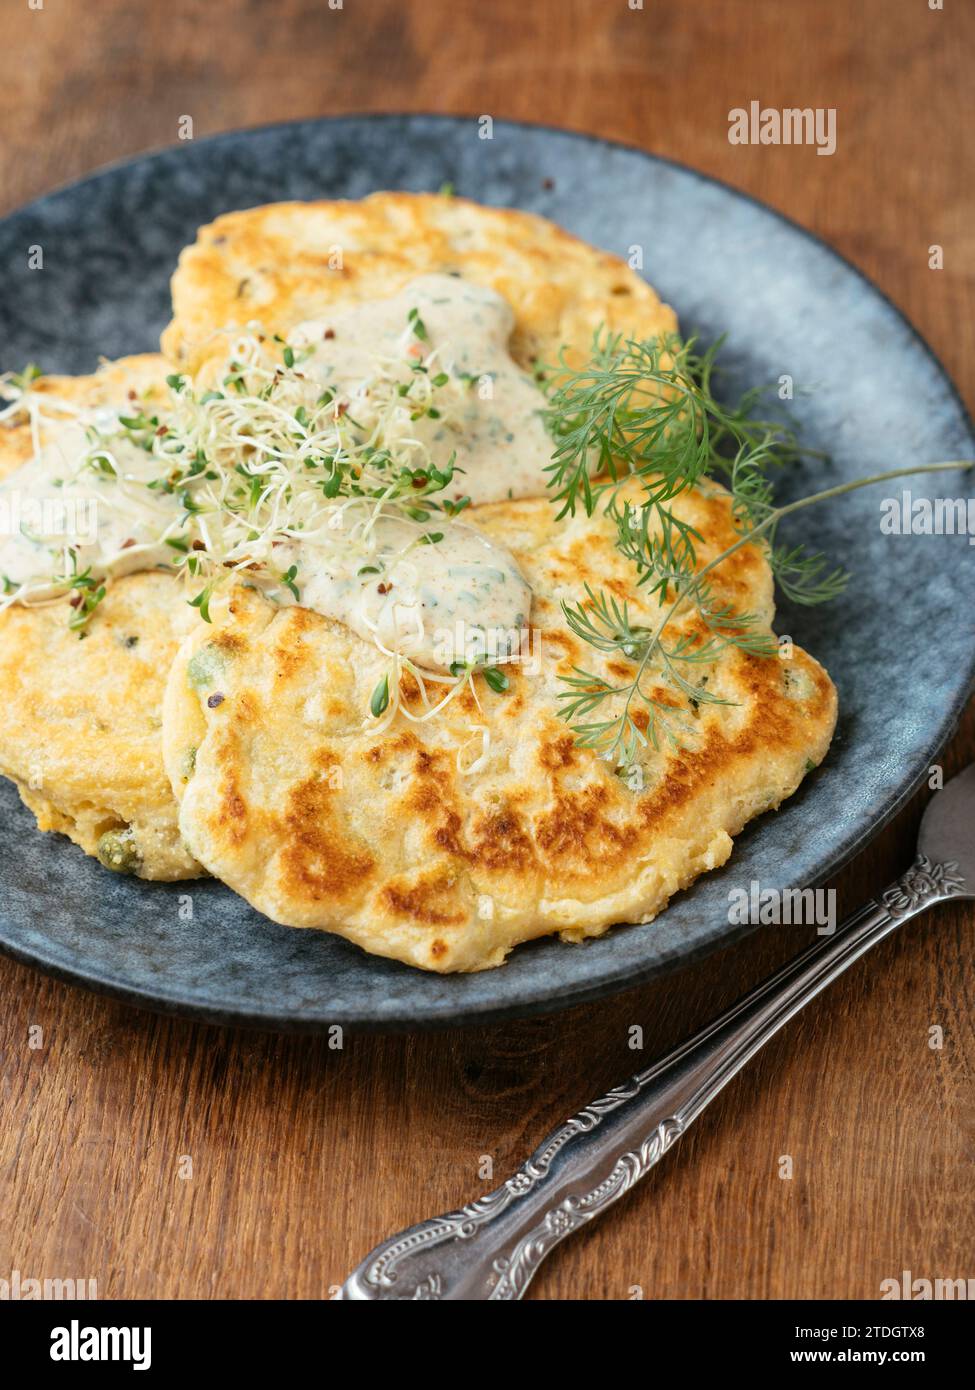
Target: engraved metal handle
point(492, 1248)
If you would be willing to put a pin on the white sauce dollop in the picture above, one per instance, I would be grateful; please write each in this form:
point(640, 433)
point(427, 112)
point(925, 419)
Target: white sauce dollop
point(501, 444)
point(112, 520)
point(459, 597)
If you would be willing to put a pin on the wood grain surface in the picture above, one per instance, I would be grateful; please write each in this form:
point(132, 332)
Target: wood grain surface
point(303, 1157)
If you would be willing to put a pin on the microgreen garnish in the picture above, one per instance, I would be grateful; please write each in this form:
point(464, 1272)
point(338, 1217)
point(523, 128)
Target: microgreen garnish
point(202, 602)
point(380, 698)
point(87, 593)
point(288, 579)
point(454, 508)
point(23, 381)
point(495, 678)
point(271, 455)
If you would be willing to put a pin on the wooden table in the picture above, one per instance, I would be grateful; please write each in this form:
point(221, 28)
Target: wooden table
point(302, 1157)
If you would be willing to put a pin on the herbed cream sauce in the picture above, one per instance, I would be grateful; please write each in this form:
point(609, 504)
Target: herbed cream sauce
point(435, 601)
point(460, 599)
point(496, 431)
point(112, 520)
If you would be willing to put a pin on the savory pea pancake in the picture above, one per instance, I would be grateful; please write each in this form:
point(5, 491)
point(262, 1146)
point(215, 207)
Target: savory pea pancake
point(444, 843)
point(288, 262)
point(80, 719)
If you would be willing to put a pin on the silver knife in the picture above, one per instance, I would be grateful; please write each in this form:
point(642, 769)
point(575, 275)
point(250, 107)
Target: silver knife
point(492, 1248)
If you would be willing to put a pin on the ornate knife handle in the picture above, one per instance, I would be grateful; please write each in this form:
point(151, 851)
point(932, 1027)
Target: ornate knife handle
point(492, 1248)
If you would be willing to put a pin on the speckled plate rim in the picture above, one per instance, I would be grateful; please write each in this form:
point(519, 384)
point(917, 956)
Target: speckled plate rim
point(227, 1013)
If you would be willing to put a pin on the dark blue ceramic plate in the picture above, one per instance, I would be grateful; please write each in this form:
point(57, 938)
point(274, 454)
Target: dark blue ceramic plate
point(900, 646)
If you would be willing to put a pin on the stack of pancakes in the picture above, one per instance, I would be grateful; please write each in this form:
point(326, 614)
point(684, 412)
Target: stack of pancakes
point(277, 787)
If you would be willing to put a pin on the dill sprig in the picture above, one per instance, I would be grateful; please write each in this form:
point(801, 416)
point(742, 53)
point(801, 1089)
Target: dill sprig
point(646, 409)
point(605, 625)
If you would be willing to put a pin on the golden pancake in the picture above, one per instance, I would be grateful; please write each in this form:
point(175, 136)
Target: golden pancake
point(445, 843)
point(288, 262)
point(80, 720)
